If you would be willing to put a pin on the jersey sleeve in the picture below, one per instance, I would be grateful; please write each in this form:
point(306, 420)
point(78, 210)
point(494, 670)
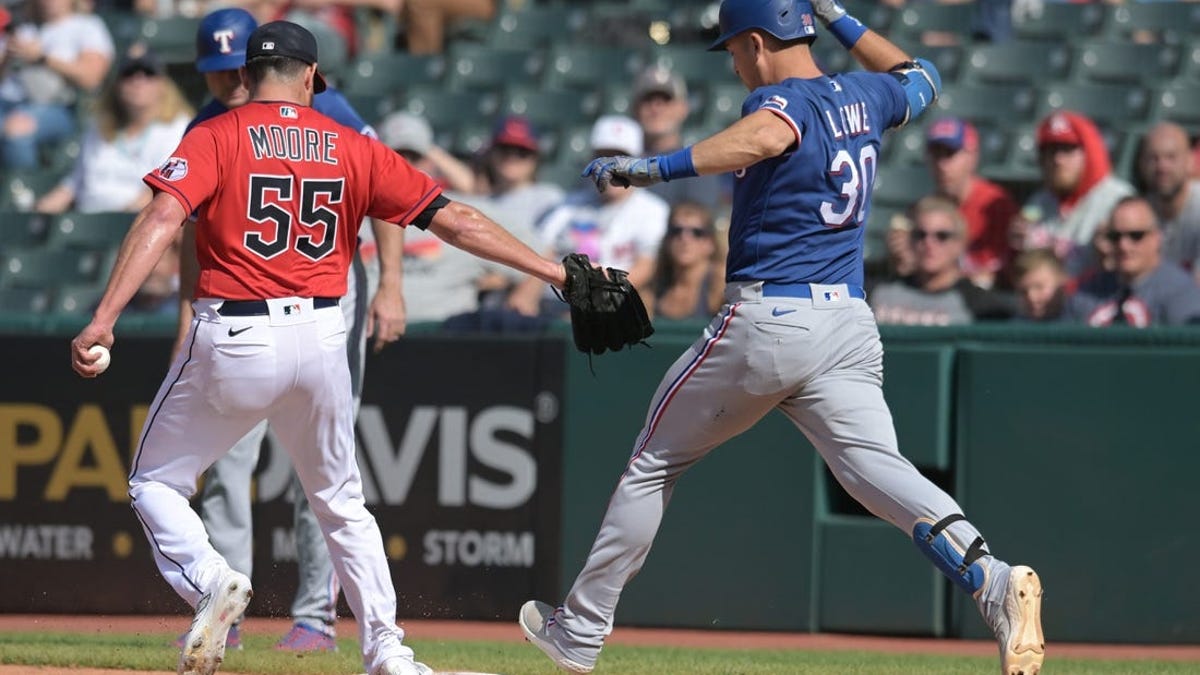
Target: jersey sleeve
point(888, 96)
point(190, 173)
point(778, 100)
point(400, 191)
point(332, 104)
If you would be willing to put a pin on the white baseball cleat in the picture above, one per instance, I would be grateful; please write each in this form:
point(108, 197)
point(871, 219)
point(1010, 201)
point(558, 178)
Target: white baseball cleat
point(204, 645)
point(1018, 624)
point(404, 664)
point(533, 620)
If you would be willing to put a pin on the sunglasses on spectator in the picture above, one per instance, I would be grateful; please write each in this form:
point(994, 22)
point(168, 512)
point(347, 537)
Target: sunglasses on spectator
point(680, 230)
point(942, 236)
point(1135, 236)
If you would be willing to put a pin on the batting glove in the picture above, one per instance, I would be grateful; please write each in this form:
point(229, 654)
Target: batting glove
point(828, 11)
point(623, 171)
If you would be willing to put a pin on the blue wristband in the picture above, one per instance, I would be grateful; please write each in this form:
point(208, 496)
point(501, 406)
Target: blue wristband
point(678, 164)
point(847, 30)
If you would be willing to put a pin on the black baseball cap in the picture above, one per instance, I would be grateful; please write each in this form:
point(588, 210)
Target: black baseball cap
point(284, 38)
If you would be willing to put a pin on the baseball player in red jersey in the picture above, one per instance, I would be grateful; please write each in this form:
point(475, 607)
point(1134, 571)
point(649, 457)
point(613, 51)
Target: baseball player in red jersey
point(280, 191)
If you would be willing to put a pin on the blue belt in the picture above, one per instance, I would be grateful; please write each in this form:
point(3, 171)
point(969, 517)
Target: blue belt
point(259, 307)
point(772, 289)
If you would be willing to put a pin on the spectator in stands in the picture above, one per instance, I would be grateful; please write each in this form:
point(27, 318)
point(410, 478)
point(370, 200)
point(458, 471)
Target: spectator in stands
point(412, 137)
point(620, 227)
point(1078, 191)
point(1166, 165)
point(47, 64)
point(140, 117)
point(1144, 289)
point(660, 105)
point(425, 21)
point(689, 278)
point(937, 293)
point(952, 149)
point(1041, 283)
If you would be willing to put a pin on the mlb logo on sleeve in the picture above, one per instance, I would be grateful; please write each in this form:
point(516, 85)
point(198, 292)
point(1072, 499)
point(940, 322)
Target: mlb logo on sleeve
point(173, 169)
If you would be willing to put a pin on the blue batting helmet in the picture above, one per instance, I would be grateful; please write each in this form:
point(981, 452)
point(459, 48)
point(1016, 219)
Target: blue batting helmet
point(785, 19)
point(221, 39)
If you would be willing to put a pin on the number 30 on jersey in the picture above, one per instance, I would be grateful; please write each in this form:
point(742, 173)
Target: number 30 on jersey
point(857, 179)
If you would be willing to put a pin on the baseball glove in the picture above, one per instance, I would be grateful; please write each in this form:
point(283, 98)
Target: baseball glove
point(606, 311)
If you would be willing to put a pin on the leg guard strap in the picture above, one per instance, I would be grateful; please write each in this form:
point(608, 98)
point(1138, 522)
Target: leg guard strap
point(963, 568)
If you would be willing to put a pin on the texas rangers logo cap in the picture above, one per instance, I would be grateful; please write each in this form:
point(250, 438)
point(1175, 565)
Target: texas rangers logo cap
point(284, 38)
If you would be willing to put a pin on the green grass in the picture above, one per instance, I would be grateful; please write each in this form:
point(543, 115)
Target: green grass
point(151, 652)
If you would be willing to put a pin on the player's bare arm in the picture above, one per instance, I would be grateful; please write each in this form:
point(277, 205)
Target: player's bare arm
point(149, 238)
point(758, 136)
point(386, 316)
point(189, 273)
point(465, 227)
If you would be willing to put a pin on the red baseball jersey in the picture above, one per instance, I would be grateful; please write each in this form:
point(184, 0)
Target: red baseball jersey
point(279, 191)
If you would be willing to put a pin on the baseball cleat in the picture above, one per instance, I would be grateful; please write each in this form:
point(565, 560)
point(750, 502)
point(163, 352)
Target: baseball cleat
point(204, 646)
point(1019, 625)
point(535, 622)
point(303, 639)
point(232, 641)
point(404, 664)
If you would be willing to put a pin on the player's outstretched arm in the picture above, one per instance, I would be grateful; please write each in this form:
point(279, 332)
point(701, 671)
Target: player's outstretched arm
point(751, 139)
point(149, 238)
point(466, 228)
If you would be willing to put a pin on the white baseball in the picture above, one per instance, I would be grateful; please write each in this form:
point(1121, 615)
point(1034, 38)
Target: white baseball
point(103, 359)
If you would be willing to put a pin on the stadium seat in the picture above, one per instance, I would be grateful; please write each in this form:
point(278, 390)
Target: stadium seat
point(89, 231)
point(477, 67)
point(391, 73)
point(585, 67)
point(534, 26)
point(1106, 104)
point(24, 299)
point(574, 147)
point(173, 38)
point(876, 15)
point(879, 219)
point(995, 104)
point(694, 65)
point(617, 99)
point(906, 146)
point(1108, 61)
point(550, 108)
point(1190, 67)
point(900, 186)
point(1021, 163)
point(448, 110)
point(1062, 22)
point(723, 104)
point(1169, 22)
point(77, 299)
point(917, 19)
point(1180, 103)
point(19, 230)
point(372, 107)
point(46, 268)
point(1027, 63)
point(123, 25)
point(20, 189)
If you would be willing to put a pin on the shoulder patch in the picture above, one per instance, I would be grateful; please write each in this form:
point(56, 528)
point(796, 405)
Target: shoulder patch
point(175, 168)
point(775, 101)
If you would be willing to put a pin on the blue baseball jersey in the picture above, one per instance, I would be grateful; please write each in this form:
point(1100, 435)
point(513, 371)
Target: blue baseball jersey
point(798, 217)
point(330, 103)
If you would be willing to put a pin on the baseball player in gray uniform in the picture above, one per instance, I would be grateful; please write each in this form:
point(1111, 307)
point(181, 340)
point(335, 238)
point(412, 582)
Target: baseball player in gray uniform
point(795, 333)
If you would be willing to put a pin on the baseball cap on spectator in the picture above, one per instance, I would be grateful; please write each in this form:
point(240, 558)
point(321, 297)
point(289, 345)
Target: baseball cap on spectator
point(284, 38)
point(1057, 129)
point(145, 62)
point(515, 131)
point(405, 131)
point(5, 18)
point(616, 133)
point(953, 133)
point(659, 79)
